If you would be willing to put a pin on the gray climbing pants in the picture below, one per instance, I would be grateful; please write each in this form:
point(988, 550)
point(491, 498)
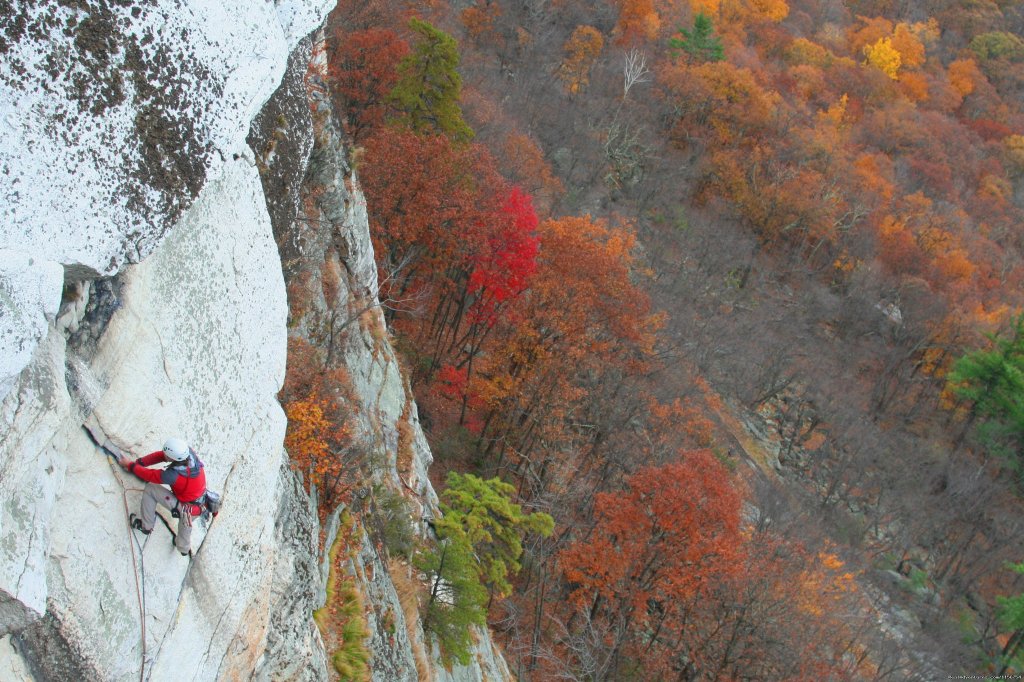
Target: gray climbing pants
point(157, 494)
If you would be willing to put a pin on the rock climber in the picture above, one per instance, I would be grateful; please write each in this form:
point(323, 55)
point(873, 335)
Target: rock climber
point(186, 479)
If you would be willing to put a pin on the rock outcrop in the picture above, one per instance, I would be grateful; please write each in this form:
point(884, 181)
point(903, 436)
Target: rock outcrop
point(328, 261)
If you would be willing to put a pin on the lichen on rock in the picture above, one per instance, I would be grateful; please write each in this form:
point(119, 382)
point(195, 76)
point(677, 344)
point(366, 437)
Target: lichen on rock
point(116, 115)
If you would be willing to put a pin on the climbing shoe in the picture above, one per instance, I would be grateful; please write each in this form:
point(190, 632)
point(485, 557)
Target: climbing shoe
point(136, 523)
point(174, 544)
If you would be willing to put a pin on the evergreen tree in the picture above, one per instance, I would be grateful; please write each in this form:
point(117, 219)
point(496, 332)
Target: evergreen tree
point(457, 599)
point(429, 86)
point(480, 542)
point(994, 381)
point(1011, 615)
point(482, 514)
point(701, 43)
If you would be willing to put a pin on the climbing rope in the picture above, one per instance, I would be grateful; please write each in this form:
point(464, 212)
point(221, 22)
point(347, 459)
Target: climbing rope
point(140, 568)
point(142, 574)
point(138, 564)
point(140, 590)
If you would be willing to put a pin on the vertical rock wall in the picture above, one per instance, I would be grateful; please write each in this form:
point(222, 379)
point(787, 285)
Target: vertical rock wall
point(331, 240)
point(196, 348)
point(126, 145)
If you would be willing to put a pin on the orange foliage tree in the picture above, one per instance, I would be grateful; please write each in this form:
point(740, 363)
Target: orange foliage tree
point(362, 69)
point(453, 238)
point(654, 548)
point(479, 19)
point(964, 75)
point(719, 100)
point(638, 21)
point(523, 161)
point(581, 51)
point(581, 319)
point(427, 195)
point(319, 433)
point(762, 10)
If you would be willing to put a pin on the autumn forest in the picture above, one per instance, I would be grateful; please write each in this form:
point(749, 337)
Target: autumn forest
point(712, 310)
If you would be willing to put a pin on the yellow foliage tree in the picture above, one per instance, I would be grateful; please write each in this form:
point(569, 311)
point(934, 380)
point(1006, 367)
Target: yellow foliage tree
point(884, 57)
point(307, 439)
point(770, 10)
point(706, 7)
point(319, 433)
point(312, 440)
point(740, 13)
point(803, 51)
point(581, 51)
point(995, 188)
point(836, 114)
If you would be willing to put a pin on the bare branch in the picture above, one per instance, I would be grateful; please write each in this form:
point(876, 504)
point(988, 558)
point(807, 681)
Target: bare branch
point(634, 70)
point(407, 304)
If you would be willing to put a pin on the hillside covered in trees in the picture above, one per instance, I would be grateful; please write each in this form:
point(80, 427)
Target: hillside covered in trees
point(730, 291)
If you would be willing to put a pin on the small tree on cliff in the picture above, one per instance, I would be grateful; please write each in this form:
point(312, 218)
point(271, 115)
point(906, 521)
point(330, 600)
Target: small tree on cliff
point(429, 86)
point(480, 543)
point(457, 599)
point(481, 513)
point(1011, 615)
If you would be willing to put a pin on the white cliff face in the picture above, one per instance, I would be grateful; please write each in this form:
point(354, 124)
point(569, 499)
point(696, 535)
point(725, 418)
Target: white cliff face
point(124, 141)
point(30, 293)
point(196, 349)
point(114, 117)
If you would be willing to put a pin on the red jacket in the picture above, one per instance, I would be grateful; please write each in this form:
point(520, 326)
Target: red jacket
point(186, 479)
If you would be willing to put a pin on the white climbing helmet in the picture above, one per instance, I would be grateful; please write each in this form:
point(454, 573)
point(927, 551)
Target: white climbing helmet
point(176, 449)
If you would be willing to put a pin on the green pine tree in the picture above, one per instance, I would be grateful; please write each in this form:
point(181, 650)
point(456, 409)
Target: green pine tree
point(1011, 616)
point(701, 43)
point(457, 599)
point(429, 86)
point(483, 514)
point(480, 543)
point(993, 380)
